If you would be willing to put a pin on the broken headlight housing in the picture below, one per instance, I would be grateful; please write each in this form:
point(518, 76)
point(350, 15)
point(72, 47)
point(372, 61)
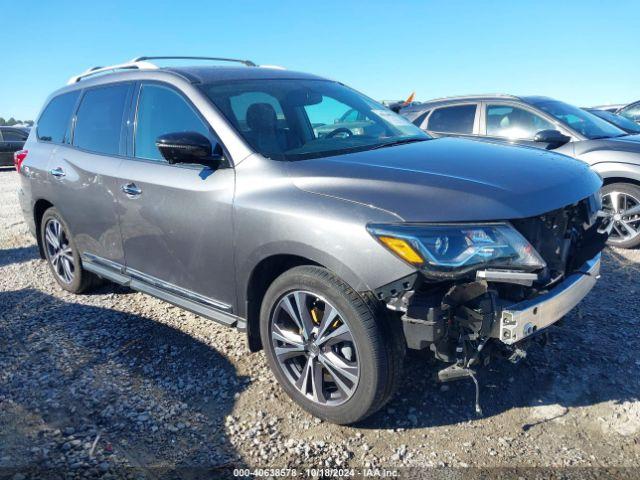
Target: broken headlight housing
point(446, 251)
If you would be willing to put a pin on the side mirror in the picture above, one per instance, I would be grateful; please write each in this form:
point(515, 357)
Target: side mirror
point(188, 147)
point(554, 138)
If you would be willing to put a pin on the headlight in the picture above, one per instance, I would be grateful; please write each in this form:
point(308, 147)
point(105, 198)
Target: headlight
point(453, 250)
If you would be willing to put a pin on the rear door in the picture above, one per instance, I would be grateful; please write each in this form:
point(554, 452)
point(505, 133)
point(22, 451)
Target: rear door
point(83, 173)
point(460, 120)
point(176, 219)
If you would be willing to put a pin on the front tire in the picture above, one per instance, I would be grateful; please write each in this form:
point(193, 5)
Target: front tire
point(326, 347)
point(62, 255)
point(621, 208)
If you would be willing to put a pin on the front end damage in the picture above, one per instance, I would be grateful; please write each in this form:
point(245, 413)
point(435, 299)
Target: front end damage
point(498, 311)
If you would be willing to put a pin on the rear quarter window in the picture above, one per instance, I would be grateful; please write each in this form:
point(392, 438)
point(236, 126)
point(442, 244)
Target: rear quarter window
point(54, 121)
point(100, 118)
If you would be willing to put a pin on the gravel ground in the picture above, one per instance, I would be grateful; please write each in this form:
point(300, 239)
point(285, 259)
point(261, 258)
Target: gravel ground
point(90, 384)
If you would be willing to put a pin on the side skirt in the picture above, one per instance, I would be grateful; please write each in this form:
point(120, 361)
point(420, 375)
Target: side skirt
point(177, 296)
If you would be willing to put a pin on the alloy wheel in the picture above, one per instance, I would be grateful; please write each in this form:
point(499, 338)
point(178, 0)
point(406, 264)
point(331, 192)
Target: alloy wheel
point(314, 347)
point(59, 251)
point(621, 216)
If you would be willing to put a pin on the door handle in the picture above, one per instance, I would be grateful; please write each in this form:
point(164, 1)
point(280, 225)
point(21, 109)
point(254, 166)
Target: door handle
point(57, 172)
point(131, 189)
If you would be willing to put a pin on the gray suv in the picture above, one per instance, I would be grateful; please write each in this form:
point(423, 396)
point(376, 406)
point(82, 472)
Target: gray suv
point(225, 191)
point(546, 123)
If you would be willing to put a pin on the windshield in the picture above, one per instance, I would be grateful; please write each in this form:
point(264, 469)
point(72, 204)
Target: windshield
point(582, 122)
point(300, 119)
point(617, 120)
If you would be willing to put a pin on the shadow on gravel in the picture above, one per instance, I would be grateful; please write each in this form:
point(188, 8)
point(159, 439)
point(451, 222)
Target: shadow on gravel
point(593, 357)
point(18, 255)
point(109, 287)
point(156, 396)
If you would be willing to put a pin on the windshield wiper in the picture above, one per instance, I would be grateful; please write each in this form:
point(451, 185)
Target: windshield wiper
point(401, 141)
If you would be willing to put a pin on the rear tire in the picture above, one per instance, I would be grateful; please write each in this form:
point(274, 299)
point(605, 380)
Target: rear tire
point(617, 198)
point(360, 343)
point(62, 255)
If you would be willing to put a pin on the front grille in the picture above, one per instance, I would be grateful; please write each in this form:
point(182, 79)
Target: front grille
point(563, 237)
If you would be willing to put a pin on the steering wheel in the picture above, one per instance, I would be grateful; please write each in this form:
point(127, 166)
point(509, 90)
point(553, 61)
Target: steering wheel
point(337, 131)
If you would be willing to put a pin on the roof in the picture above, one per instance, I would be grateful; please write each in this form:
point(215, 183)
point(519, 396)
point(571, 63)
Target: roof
point(208, 74)
point(14, 127)
point(533, 99)
point(194, 74)
point(608, 106)
point(474, 98)
point(427, 104)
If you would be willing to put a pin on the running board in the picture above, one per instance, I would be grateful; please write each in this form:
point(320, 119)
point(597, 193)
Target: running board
point(114, 272)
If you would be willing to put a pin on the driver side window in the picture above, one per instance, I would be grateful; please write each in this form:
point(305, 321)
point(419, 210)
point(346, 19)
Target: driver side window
point(515, 123)
point(161, 110)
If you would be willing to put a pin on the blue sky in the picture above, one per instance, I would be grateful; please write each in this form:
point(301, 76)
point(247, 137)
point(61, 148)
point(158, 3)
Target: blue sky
point(583, 52)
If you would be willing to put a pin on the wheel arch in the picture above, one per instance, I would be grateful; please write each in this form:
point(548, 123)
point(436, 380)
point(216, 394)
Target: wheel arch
point(39, 207)
point(262, 276)
point(617, 172)
point(612, 180)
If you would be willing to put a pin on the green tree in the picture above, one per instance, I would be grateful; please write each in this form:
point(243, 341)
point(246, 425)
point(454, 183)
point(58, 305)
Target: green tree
point(3, 122)
point(11, 121)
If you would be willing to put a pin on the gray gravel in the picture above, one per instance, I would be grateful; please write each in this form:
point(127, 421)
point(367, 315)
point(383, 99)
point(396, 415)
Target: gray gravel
point(92, 383)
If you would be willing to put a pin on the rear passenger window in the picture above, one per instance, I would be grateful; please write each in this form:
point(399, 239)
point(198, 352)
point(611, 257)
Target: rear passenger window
point(161, 110)
point(99, 119)
point(458, 119)
point(13, 136)
point(54, 121)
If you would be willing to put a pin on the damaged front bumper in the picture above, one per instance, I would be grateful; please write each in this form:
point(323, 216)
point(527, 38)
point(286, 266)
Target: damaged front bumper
point(446, 319)
point(521, 320)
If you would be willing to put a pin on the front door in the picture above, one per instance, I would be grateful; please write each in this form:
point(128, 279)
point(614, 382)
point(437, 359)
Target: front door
point(176, 219)
point(513, 124)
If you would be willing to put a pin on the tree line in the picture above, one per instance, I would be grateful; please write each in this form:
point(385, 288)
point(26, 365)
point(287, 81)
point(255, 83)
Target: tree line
point(12, 121)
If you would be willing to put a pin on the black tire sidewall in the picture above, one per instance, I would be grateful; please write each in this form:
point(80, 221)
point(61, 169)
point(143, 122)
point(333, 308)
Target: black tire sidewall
point(629, 189)
point(77, 284)
point(371, 351)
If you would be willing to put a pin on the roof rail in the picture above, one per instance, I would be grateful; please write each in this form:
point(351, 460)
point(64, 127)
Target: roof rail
point(472, 97)
point(133, 64)
point(142, 63)
point(247, 63)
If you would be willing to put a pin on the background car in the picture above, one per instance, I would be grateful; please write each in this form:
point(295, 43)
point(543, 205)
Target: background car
point(11, 140)
point(611, 107)
point(617, 120)
point(352, 122)
point(631, 111)
point(546, 123)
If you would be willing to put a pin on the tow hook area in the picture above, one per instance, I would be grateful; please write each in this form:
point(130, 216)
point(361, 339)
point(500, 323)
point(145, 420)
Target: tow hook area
point(458, 372)
point(455, 322)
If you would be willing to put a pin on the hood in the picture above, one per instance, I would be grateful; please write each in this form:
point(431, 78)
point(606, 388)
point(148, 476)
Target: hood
point(449, 179)
point(629, 144)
